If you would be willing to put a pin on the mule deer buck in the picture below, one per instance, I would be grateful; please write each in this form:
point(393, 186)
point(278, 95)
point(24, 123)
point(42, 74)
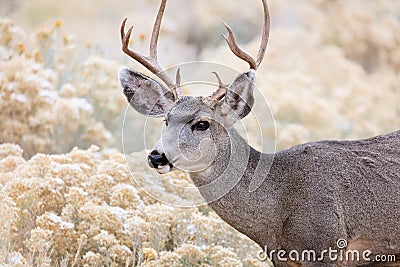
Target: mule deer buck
point(307, 197)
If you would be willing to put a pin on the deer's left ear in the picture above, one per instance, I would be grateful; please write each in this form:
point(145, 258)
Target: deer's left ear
point(239, 98)
point(146, 96)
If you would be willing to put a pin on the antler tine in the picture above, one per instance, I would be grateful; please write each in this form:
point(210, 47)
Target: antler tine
point(217, 95)
point(150, 62)
point(221, 85)
point(178, 83)
point(156, 30)
point(231, 41)
point(265, 33)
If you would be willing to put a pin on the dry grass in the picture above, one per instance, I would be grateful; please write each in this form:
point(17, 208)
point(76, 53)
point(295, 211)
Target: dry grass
point(84, 209)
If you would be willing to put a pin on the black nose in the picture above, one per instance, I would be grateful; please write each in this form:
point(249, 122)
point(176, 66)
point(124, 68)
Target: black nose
point(155, 159)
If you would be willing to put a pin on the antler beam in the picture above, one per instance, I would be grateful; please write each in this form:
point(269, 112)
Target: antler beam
point(151, 62)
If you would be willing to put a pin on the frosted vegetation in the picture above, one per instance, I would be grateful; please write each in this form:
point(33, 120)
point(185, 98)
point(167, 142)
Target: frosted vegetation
point(331, 72)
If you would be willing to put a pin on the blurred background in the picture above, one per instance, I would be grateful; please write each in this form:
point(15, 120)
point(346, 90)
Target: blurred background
point(331, 70)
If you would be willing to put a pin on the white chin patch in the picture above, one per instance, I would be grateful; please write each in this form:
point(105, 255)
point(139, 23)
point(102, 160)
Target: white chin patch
point(164, 169)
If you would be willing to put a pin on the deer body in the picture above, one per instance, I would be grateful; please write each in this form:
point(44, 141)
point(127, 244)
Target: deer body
point(308, 197)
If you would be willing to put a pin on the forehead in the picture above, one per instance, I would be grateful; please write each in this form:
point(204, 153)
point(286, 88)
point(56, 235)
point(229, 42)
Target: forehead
point(188, 108)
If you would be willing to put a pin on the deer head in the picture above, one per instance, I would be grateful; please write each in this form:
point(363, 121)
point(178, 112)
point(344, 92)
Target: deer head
point(192, 124)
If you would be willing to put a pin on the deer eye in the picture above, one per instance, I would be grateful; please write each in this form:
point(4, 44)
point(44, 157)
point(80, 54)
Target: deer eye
point(201, 126)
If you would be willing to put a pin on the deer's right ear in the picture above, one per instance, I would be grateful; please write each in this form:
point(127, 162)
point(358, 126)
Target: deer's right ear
point(145, 95)
point(239, 98)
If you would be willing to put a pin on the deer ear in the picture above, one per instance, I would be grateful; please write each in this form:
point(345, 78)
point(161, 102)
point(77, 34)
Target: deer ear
point(145, 95)
point(239, 98)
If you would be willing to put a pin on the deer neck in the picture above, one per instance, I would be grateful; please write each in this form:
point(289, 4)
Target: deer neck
point(240, 190)
point(236, 165)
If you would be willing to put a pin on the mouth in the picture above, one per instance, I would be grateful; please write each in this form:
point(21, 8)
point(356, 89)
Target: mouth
point(165, 168)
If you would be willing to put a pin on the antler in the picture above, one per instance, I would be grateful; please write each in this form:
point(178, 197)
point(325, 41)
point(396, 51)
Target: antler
point(254, 63)
point(230, 39)
point(217, 95)
point(151, 62)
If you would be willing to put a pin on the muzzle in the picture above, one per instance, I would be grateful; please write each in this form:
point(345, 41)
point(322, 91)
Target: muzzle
point(159, 161)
